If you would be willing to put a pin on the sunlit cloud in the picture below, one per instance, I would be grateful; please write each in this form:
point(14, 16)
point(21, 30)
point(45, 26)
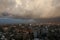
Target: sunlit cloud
point(31, 8)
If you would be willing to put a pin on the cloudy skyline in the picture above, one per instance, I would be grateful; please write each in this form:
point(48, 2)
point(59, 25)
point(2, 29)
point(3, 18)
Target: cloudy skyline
point(30, 8)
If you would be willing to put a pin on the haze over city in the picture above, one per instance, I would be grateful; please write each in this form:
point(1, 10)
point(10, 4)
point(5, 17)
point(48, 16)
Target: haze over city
point(38, 9)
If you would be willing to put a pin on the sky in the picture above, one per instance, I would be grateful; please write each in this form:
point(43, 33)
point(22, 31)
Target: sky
point(30, 8)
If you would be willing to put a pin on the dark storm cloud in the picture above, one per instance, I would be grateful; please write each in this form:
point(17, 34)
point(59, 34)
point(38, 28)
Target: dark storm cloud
point(30, 8)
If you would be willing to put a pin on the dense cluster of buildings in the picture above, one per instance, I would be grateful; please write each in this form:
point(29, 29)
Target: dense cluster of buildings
point(30, 32)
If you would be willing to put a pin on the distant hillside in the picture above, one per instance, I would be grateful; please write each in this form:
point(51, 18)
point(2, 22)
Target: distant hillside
point(57, 19)
point(25, 20)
